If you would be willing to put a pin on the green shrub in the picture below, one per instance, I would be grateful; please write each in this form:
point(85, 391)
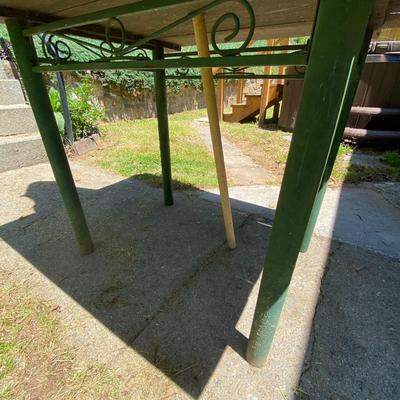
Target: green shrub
point(135, 81)
point(85, 112)
point(55, 101)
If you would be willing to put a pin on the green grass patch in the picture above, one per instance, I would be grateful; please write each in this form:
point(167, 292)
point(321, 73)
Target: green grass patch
point(392, 158)
point(131, 149)
point(270, 150)
point(36, 362)
point(7, 363)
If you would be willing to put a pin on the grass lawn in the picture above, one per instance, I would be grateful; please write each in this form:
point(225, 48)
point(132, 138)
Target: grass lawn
point(270, 149)
point(36, 362)
point(131, 149)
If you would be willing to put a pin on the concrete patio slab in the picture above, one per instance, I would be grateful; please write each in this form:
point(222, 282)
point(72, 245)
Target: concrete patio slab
point(366, 215)
point(166, 304)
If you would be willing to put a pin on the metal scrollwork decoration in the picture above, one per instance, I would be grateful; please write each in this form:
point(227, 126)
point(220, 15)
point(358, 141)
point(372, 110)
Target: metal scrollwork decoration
point(234, 73)
point(108, 47)
point(116, 47)
point(236, 29)
point(182, 71)
point(55, 48)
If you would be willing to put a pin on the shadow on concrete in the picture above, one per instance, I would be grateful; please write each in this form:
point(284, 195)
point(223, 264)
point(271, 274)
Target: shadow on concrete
point(354, 347)
point(161, 279)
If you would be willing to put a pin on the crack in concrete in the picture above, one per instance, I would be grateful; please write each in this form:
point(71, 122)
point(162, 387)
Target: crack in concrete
point(202, 265)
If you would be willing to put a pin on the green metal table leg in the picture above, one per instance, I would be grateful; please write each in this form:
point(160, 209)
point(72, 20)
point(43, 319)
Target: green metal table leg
point(41, 107)
point(163, 132)
point(344, 115)
point(338, 36)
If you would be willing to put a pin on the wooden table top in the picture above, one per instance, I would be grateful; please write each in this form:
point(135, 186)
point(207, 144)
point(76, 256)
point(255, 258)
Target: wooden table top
point(274, 19)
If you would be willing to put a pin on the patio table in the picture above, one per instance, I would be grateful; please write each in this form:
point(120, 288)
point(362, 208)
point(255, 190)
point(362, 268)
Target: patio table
point(148, 35)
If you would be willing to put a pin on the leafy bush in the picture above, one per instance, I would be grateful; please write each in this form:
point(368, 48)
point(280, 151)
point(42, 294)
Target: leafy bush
point(54, 97)
point(85, 113)
point(135, 81)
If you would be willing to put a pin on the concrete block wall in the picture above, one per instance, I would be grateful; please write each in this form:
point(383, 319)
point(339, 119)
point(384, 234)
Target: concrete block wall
point(20, 142)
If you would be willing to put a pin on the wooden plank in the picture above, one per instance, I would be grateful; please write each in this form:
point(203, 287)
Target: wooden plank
point(290, 16)
point(370, 134)
point(93, 31)
point(266, 88)
point(286, 18)
point(199, 26)
point(375, 110)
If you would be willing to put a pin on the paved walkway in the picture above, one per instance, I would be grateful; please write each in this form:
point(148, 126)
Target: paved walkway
point(366, 215)
point(240, 167)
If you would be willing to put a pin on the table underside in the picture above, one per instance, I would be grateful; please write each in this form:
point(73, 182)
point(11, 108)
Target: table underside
point(286, 18)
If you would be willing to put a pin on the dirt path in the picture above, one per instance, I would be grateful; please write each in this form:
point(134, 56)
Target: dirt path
point(241, 169)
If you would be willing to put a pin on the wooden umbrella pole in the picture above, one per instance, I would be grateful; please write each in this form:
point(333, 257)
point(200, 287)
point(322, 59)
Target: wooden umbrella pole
point(209, 92)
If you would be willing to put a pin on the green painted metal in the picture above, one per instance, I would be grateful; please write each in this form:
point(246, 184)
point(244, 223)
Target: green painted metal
point(355, 78)
point(332, 56)
point(98, 16)
point(241, 76)
point(112, 16)
point(56, 49)
point(295, 47)
point(39, 100)
point(220, 20)
point(313, 217)
point(163, 131)
point(198, 62)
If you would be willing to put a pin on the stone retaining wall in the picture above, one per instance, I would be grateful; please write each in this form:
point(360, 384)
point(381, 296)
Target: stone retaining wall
point(121, 105)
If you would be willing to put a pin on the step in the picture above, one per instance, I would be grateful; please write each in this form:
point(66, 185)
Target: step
point(17, 120)
point(239, 107)
point(241, 112)
point(11, 92)
point(21, 151)
point(245, 108)
point(229, 118)
point(375, 110)
point(370, 134)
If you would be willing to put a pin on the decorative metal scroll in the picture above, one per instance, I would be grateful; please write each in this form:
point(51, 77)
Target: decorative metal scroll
point(56, 48)
point(234, 71)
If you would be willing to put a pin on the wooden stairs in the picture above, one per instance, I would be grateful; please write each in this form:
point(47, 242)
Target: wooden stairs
point(245, 111)
point(388, 118)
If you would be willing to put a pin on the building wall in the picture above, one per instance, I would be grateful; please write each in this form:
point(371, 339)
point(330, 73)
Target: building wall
point(379, 87)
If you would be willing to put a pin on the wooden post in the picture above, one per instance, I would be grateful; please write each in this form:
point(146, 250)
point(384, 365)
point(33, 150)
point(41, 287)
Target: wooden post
point(283, 42)
point(265, 90)
point(209, 91)
point(344, 115)
point(239, 90)
point(326, 95)
point(220, 97)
